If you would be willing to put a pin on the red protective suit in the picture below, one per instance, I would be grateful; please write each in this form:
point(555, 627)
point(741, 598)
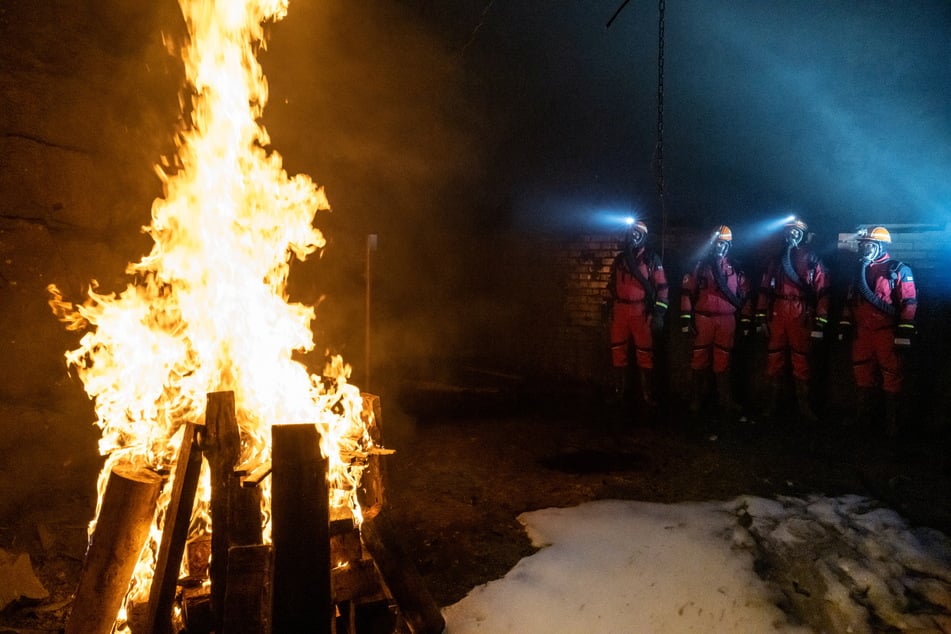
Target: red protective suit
point(873, 350)
point(714, 315)
point(792, 308)
point(633, 304)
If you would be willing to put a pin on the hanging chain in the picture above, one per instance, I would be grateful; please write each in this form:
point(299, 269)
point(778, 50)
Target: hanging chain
point(658, 161)
point(659, 149)
point(475, 30)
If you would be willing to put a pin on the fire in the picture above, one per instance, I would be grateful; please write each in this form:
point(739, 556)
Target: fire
point(207, 309)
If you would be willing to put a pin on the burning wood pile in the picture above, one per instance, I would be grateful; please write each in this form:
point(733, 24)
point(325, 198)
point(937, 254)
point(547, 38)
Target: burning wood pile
point(233, 496)
point(314, 576)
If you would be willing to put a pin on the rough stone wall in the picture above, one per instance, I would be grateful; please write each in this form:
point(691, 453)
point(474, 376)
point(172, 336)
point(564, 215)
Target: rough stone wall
point(89, 105)
point(89, 94)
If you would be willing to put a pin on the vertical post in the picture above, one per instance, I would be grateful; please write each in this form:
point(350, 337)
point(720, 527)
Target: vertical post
point(300, 530)
point(128, 507)
point(370, 492)
point(235, 510)
point(371, 247)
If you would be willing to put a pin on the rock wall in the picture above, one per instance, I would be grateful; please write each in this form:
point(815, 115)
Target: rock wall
point(89, 95)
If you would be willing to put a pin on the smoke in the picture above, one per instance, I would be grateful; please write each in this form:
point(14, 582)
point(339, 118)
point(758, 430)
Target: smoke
point(834, 109)
point(439, 127)
point(442, 128)
point(369, 101)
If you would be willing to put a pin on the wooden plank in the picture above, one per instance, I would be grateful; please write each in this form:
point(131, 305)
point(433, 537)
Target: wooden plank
point(126, 514)
point(254, 477)
point(401, 576)
point(196, 610)
point(300, 530)
point(357, 581)
point(174, 534)
point(370, 491)
point(235, 510)
point(248, 596)
point(197, 556)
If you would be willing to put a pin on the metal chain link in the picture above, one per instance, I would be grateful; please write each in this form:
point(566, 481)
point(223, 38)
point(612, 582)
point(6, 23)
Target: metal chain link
point(658, 159)
point(659, 149)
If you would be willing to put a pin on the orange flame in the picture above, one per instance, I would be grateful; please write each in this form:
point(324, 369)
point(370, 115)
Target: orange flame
point(208, 310)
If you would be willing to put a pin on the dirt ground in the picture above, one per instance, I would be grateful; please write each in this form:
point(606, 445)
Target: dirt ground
point(469, 459)
point(457, 483)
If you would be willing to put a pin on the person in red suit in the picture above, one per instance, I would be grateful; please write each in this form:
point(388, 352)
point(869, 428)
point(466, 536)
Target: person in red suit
point(714, 296)
point(880, 309)
point(638, 299)
point(792, 305)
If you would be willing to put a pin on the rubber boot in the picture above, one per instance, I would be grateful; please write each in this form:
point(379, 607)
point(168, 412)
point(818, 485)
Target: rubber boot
point(647, 387)
point(729, 408)
point(891, 415)
point(698, 391)
point(803, 400)
point(773, 391)
point(864, 404)
point(618, 386)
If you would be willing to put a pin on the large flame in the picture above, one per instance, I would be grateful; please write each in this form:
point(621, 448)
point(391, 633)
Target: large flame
point(208, 308)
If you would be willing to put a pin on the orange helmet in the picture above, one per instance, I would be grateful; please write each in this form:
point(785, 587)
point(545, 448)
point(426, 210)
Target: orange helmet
point(872, 243)
point(796, 223)
point(879, 234)
point(724, 233)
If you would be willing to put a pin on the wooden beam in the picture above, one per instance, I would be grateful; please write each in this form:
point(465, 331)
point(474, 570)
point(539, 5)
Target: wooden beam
point(235, 510)
point(248, 596)
point(357, 581)
point(196, 610)
point(174, 534)
point(370, 492)
point(125, 516)
point(300, 529)
point(401, 576)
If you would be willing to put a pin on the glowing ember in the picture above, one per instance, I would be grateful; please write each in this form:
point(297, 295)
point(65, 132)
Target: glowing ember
point(208, 308)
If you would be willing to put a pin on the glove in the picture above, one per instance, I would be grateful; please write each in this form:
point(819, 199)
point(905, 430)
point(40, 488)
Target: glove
point(686, 324)
point(761, 326)
point(846, 330)
point(819, 327)
point(746, 326)
point(657, 319)
point(905, 335)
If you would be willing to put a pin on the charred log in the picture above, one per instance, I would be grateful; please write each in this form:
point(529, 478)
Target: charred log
point(300, 521)
point(128, 506)
point(248, 597)
point(235, 510)
point(401, 576)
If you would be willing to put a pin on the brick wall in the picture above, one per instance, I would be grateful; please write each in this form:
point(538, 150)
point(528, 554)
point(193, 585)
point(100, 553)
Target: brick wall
point(580, 343)
point(926, 248)
point(574, 341)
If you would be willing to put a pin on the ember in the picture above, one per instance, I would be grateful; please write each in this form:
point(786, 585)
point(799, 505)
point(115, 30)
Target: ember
point(192, 372)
